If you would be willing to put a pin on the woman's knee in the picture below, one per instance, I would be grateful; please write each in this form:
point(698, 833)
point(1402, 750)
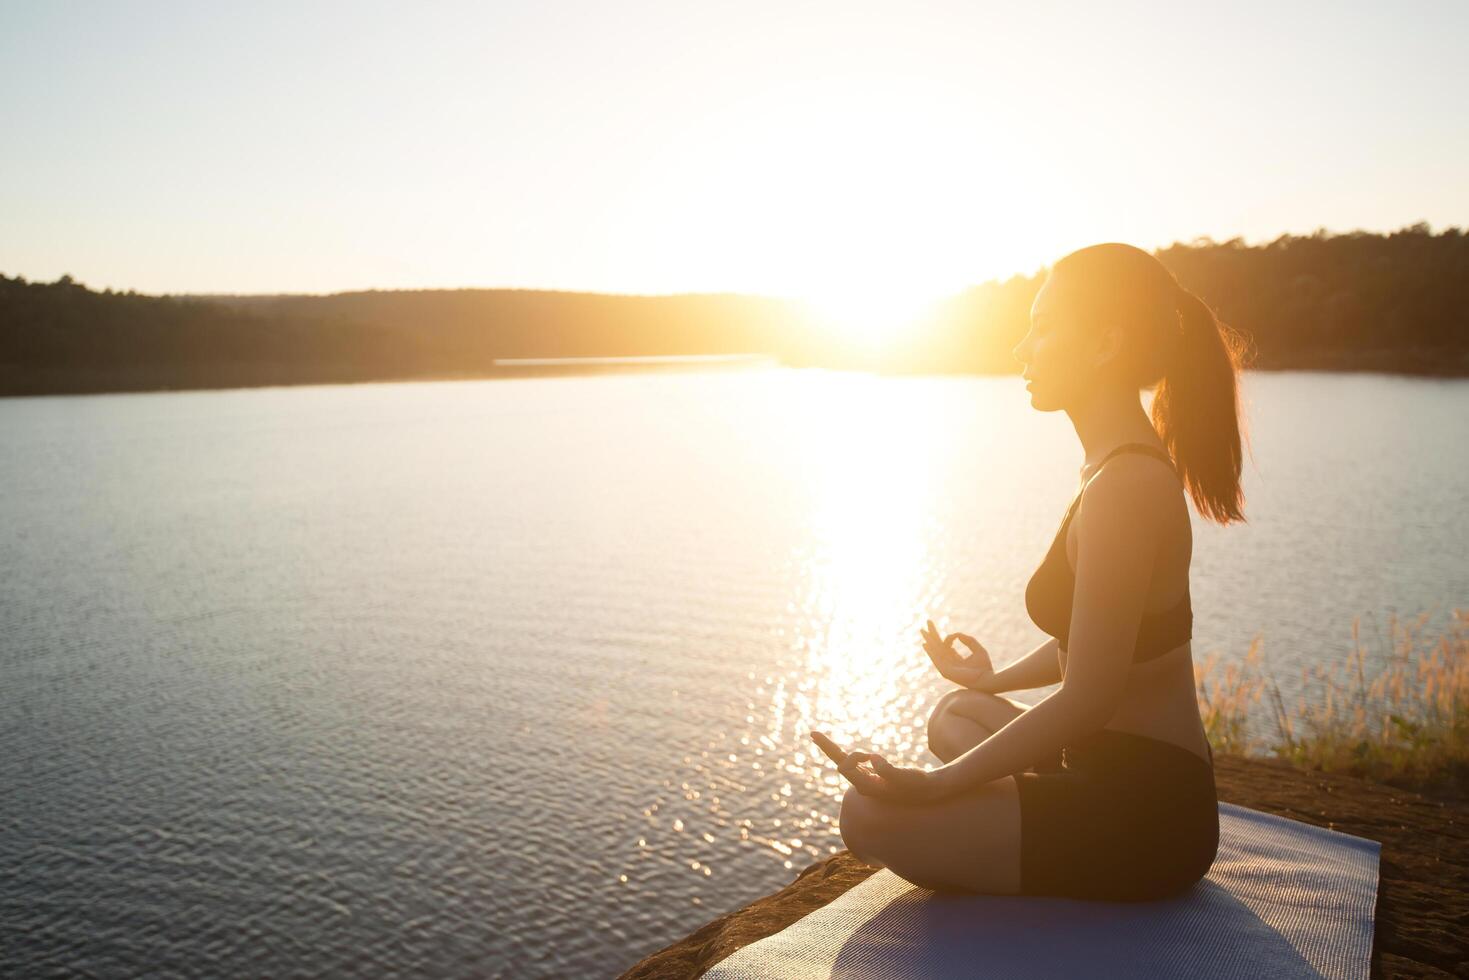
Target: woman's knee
point(945, 703)
point(964, 718)
point(860, 824)
point(937, 718)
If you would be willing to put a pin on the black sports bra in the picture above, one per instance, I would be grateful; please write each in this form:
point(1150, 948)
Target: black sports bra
point(1049, 592)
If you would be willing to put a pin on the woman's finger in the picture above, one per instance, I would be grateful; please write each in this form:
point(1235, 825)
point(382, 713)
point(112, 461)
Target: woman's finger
point(944, 665)
point(884, 769)
point(867, 782)
point(860, 770)
point(833, 751)
point(940, 654)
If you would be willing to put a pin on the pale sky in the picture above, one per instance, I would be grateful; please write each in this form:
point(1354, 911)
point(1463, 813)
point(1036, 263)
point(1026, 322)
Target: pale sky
point(892, 150)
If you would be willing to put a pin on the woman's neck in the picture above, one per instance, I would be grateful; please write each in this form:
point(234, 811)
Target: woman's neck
point(1111, 419)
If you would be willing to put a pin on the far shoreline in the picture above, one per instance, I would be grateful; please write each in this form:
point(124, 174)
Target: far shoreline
point(16, 382)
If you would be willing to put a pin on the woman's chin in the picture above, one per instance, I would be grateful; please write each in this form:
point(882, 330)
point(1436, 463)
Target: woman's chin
point(1039, 401)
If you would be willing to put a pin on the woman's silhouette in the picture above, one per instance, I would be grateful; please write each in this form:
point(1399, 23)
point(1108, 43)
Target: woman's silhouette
point(1105, 789)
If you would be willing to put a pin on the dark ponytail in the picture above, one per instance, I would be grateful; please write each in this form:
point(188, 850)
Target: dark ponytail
point(1174, 344)
point(1196, 409)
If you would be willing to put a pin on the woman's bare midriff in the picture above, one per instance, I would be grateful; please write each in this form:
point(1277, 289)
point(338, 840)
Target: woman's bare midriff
point(1160, 702)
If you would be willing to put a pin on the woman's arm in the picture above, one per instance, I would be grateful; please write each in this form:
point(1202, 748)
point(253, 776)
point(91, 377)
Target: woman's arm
point(1117, 534)
point(1035, 734)
point(1038, 668)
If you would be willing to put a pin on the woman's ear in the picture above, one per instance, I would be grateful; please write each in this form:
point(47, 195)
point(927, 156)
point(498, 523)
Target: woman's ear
point(1108, 344)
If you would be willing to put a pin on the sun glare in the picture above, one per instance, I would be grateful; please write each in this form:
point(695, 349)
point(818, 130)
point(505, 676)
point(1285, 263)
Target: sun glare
point(869, 196)
point(870, 319)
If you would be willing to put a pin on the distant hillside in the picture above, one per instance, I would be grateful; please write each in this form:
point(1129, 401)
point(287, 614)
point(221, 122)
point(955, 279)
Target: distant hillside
point(63, 337)
point(1365, 301)
point(1356, 301)
point(465, 330)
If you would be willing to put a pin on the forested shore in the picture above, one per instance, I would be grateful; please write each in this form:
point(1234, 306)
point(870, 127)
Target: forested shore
point(1353, 301)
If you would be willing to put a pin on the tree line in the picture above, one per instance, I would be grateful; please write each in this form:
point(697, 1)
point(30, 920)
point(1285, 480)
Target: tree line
point(1351, 301)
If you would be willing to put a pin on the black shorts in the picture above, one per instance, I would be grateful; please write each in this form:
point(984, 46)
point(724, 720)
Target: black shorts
point(1118, 817)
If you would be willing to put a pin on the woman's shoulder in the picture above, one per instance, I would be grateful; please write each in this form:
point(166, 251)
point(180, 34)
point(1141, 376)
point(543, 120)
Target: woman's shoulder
point(1135, 488)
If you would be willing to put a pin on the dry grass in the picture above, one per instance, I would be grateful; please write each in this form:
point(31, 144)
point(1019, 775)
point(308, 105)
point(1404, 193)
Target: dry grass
point(1400, 716)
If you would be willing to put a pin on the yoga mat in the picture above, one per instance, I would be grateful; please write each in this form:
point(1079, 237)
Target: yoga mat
point(1283, 900)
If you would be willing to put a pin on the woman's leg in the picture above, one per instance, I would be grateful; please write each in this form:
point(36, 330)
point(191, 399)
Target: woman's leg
point(964, 718)
point(968, 843)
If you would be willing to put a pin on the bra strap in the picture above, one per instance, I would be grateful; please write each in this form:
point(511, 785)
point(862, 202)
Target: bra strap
point(1136, 447)
point(1140, 447)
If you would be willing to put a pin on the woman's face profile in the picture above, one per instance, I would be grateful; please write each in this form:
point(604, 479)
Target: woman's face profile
point(1051, 353)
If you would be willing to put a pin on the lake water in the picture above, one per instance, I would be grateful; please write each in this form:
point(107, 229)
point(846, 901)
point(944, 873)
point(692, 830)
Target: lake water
point(514, 677)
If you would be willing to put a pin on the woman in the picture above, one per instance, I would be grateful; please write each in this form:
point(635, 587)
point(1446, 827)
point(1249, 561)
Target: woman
point(1104, 789)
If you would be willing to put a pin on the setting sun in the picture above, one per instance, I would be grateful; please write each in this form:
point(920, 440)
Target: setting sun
point(867, 319)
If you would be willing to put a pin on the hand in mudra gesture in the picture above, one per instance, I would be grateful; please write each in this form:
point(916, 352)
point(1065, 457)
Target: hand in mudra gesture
point(872, 775)
point(964, 671)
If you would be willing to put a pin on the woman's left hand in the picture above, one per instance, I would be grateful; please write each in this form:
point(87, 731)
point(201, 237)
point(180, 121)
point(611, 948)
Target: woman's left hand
point(874, 776)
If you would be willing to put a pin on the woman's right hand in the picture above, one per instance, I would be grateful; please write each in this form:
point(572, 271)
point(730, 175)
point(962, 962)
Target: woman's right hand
point(968, 671)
